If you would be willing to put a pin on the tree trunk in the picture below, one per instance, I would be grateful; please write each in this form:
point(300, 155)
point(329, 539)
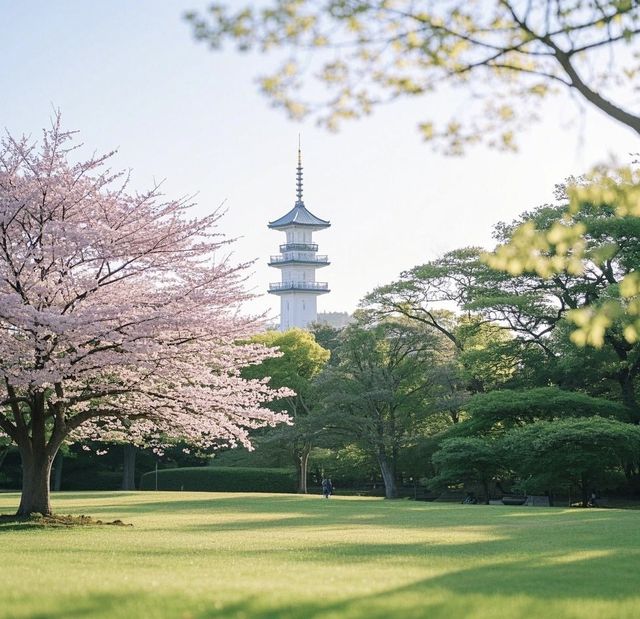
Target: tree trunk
point(302, 461)
point(57, 471)
point(485, 487)
point(3, 455)
point(129, 467)
point(36, 473)
point(584, 487)
point(388, 476)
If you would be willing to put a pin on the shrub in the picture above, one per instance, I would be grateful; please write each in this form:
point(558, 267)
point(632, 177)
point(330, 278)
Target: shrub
point(464, 460)
point(580, 452)
point(221, 479)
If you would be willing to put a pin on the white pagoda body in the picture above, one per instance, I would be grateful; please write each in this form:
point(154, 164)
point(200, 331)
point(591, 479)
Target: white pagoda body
point(298, 261)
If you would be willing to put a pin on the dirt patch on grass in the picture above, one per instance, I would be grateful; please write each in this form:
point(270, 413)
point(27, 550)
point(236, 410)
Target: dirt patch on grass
point(58, 520)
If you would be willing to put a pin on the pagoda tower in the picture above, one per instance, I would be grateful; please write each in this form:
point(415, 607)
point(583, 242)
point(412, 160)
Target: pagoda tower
point(297, 261)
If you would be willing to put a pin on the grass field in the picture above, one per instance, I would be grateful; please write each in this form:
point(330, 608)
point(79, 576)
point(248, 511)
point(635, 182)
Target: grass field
point(195, 556)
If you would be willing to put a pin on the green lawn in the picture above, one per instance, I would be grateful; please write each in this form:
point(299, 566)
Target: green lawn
point(198, 555)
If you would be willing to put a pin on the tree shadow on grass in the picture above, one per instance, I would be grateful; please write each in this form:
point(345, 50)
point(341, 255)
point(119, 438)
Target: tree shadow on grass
point(287, 513)
point(96, 605)
point(292, 511)
point(509, 589)
point(533, 561)
point(362, 509)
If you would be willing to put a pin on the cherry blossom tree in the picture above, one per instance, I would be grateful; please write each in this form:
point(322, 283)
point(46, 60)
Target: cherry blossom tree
point(119, 316)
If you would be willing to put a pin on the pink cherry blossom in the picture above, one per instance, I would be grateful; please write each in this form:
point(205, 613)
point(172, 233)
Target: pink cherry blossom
point(120, 315)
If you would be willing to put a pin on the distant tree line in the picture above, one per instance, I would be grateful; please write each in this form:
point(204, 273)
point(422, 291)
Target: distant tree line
point(460, 377)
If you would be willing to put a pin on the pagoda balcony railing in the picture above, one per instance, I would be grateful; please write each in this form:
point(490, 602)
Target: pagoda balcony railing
point(299, 256)
point(278, 286)
point(298, 247)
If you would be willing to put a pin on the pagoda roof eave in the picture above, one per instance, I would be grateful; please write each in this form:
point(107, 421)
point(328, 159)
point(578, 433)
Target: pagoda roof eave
point(294, 224)
point(299, 216)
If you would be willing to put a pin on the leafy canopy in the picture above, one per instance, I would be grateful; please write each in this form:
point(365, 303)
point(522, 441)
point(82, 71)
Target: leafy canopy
point(362, 53)
point(576, 244)
point(301, 360)
point(498, 411)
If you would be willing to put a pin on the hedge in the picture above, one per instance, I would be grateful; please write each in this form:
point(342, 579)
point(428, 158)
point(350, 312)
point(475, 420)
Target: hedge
point(221, 479)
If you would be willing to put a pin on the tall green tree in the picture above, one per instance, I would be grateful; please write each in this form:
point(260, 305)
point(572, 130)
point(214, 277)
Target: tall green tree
point(301, 361)
point(367, 52)
point(610, 253)
point(378, 393)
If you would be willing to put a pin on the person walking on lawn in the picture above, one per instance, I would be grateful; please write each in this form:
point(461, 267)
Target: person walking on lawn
point(327, 488)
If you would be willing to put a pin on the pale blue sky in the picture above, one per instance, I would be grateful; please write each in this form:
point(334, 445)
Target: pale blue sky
point(129, 76)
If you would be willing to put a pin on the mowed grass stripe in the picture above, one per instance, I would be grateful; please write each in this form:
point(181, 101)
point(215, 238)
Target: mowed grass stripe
point(200, 555)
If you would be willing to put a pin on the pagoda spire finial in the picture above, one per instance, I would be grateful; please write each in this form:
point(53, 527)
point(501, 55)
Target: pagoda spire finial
point(299, 175)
